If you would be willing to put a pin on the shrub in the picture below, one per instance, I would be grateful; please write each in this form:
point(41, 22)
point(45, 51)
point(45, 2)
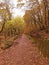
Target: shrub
point(6, 44)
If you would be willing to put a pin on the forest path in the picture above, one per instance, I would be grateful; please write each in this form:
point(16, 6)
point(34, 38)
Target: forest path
point(23, 52)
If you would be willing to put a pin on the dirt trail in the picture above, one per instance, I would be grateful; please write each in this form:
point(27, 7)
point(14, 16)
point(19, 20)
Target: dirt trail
point(23, 52)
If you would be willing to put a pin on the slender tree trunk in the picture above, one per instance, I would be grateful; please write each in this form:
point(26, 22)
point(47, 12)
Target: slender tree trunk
point(39, 15)
point(45, 10)
point(2, 27)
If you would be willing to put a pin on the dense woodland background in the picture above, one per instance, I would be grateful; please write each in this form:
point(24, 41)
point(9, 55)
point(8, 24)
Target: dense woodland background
point(36, 16)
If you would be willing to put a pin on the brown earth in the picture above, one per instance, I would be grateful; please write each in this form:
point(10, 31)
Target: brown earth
point(23, 52)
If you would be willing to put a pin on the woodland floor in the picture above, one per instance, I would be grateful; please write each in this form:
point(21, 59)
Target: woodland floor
point(22, 52)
